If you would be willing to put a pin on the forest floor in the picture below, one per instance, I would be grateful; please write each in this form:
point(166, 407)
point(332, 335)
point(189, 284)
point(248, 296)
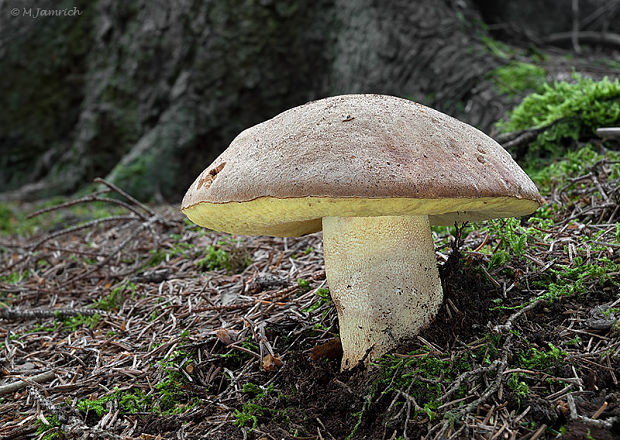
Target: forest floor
point(123, 321)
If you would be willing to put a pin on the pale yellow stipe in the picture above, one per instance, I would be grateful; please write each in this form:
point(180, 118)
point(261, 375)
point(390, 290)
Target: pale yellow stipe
point(297, 216)
point(382, 276)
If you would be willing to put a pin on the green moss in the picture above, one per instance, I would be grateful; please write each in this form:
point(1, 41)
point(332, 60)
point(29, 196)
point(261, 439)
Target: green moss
point(303, 284)
point(49, 431)
point(115, 298)
point(323, 298)
point(15, 277)
point(14, 221)
point(568, 110)
point(420, 372)
point(512, 235)
point(519, 387)
point(509, 239)
point(488, 351)
point(169, 390)
point(253, 409)
point(129, 401)
point(72, 323)
point(250, 411)
point(541, 360)
point(572, 164)
point(235, 260)
point(168, 397)
point(517, 77)
point(570, 280)
point(176, 249)
point(8, 219)
point(497, 48)
point(214, 259)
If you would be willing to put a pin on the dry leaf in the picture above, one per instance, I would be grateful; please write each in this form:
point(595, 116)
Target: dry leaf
point(226, 336)
point(331, 349)
point(271, 363)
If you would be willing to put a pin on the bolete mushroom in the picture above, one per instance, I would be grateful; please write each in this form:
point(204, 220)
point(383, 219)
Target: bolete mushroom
point(373, 172)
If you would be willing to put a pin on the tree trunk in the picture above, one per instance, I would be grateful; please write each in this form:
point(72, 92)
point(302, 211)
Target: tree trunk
point(147, 93)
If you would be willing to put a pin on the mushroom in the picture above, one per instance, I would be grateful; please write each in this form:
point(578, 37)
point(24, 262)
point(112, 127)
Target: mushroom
point(373, 172)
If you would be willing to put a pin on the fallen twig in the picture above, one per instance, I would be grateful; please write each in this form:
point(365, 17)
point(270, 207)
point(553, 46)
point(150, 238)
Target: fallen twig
point(587, 37)
point(24, 382)
point(605, 424)
point(507, 326)
point(16, 313)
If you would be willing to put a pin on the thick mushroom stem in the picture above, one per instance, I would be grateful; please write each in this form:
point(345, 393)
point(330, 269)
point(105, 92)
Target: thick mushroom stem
point(383, 279)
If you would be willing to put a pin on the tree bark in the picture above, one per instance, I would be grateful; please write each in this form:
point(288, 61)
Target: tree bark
point(147, 93)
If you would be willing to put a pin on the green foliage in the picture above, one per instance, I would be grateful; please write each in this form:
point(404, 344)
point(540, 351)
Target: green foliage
point(239, 356)
point(15, 277)
point(517, 77)
point(520, 388)
point(45, 328)
point(170, 389)
point(133, 175)
point(247, 343)
point(303, 284)
point(115, 298)
point(572, 164)
point(421, 373)
point(584, 99)
point(234, 261)
point(569, 280)
point(96, 406)
point(148, 171)
point(499, 259)
point(541, 360)
point(575, 341)
point(54, 432)
point(566, 279)
point(323, 293)
point(167, 398)
point(8, 219)
point(574, 108)
point(72, 323)
point(307, 251)
point(324, 298)
point(497, 48)
point(250, 411)
point(580, 271)
point(214, 259)
point(129, 401)
point(513, 240)
point(488, 351)
point(133, 402)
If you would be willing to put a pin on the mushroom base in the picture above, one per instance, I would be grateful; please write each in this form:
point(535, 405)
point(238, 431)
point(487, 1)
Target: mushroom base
point(383, 278)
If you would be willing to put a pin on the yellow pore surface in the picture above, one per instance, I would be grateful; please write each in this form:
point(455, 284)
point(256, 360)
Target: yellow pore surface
point(297, 216)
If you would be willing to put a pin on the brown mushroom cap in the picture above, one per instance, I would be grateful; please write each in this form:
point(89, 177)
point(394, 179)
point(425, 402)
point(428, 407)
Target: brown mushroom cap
point(357, 155)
